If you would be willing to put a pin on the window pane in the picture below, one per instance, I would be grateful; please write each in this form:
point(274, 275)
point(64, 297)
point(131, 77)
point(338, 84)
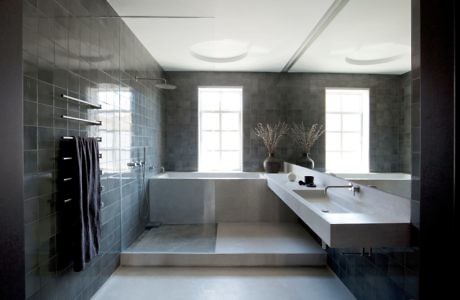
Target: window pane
point(347, 133)
point(210, 121)
point(230, 121)
point(333, 122)
point(210, 141)
point(210, 160)
point(231, 141)
point(351, 103)
point(333, 142)
point(231, 101)
point(332, 102)
point(231, 160)
point(333, 160)
point(209, 100)
point(352, 161)
point(220, 129)
point(351, 122)
point(351, 141)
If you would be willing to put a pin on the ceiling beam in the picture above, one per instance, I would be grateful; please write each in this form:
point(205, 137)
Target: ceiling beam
point(325, 20)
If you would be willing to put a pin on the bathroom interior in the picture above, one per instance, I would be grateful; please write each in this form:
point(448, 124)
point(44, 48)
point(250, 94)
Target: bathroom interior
point(261, 149)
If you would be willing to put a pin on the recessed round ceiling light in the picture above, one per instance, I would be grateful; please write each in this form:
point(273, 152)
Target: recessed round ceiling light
point(377, 54)
point(220, 51)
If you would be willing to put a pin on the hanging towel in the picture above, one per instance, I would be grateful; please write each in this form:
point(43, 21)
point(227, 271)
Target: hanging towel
point(82, 213)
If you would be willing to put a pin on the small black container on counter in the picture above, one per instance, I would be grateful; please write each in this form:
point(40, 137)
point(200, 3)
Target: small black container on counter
point(309, 181)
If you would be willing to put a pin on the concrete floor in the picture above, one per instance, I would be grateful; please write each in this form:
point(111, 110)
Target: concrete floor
point(243, 283)
point(227, 238)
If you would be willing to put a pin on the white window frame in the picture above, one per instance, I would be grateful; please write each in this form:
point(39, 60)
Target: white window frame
point(220, 112)
point(364, 131)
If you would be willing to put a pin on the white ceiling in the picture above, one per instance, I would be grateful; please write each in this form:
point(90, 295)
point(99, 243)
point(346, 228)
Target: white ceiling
point(272, 31)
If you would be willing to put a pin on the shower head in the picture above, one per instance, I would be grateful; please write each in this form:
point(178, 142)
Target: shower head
point(163, 86)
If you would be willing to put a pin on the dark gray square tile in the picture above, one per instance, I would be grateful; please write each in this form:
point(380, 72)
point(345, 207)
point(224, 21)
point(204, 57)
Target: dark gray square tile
point(30, 113)
point(45, 115)
point(46, 160)
point(30, 162)
point(30, 89)
point(31, 210)
point(45, 93)
point(45, 138)
point(30, 137)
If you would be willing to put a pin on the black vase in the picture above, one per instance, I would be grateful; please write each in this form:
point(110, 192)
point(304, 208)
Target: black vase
point(306, 161)
point(272, 164)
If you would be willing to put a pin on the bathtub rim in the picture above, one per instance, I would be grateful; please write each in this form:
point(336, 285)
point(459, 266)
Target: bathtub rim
point(211, 176)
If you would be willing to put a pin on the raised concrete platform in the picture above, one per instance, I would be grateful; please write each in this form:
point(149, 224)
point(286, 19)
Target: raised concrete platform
point(226, 244)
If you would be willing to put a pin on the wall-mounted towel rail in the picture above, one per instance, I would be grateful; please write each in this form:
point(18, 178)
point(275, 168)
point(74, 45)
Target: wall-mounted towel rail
point(99, 139)
point(82, 120)
point(81, 101)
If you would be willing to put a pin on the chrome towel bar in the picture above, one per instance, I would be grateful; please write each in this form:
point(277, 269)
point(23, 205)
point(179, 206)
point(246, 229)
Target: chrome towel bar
point(99, 139)
point(82, 120)
point(81, 101)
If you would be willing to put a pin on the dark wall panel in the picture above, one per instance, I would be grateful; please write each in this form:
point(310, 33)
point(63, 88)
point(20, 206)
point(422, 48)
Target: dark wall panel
point(11, 159)
point(437, 144)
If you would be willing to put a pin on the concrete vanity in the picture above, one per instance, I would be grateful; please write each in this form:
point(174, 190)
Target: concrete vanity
point(371, 218)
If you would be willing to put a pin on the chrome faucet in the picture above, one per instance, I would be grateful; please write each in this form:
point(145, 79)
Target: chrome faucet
point(354, 188)
point(133, 164)
point(158, 167)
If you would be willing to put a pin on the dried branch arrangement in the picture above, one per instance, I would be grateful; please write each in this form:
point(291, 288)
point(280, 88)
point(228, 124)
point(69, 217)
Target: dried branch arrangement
point(271, 134)
point(304, 138)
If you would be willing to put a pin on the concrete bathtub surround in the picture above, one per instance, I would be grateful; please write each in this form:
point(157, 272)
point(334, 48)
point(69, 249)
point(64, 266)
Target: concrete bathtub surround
point(370, 218)
point(203, 198)
point(221, 219)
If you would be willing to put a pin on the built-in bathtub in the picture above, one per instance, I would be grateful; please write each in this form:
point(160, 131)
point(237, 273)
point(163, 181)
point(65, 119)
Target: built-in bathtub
point(201, 198)
point(395, 183)
point(211, 175)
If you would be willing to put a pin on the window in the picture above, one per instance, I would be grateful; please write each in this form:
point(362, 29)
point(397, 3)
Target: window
point(347, 130)
point(220, 119)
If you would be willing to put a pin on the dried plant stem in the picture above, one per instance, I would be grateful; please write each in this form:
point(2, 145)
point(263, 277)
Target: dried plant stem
point(271, 134)
point(304, 138)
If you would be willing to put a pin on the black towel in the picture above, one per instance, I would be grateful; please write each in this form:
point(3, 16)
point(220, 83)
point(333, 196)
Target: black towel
point(82, 213)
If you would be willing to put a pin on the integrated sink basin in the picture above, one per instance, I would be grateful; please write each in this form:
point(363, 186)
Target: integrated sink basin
point(320, 201)
point(370, 218)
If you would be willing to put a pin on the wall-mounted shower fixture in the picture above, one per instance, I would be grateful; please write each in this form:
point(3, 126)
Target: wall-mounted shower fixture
point(163, 86)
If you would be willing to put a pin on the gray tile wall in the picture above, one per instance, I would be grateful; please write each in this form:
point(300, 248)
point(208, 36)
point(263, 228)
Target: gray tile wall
point(67, 50)
point(405, 127)
point(273, 97)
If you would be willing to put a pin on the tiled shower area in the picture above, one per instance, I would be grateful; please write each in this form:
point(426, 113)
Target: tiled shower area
point(81, 49)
